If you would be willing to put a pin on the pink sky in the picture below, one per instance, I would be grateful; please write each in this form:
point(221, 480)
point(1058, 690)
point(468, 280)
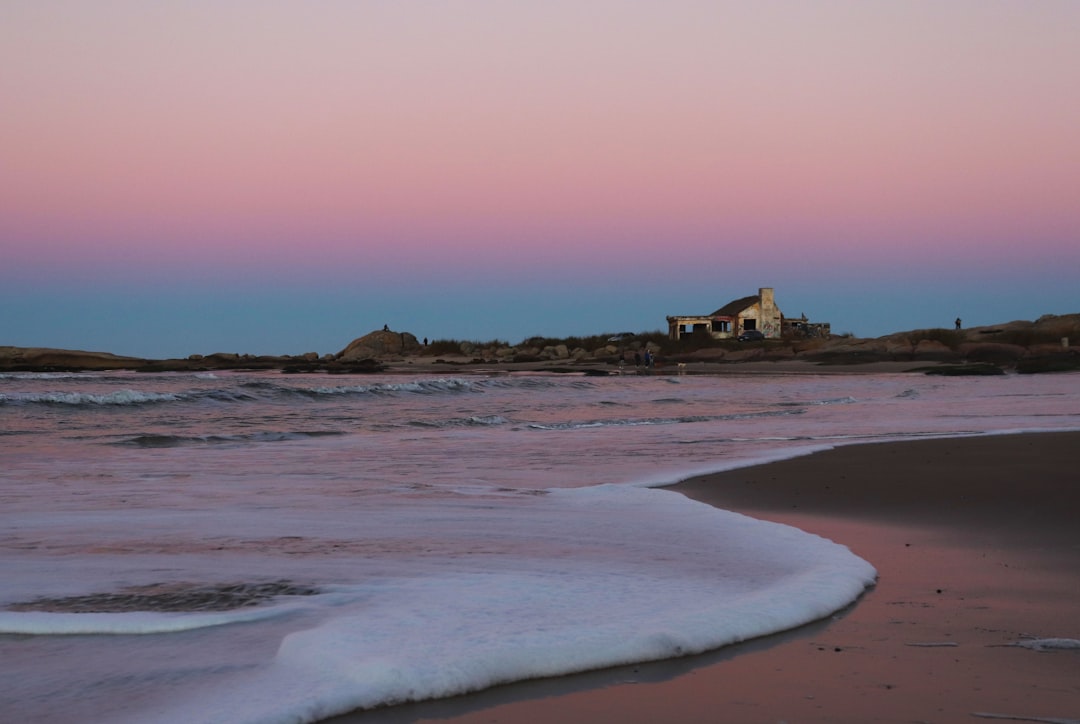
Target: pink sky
point(490, 138)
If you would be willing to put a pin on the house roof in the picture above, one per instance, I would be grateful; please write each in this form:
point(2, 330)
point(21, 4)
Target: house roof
point(732, 309)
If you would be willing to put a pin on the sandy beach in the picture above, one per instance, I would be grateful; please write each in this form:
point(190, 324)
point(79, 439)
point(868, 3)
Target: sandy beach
point(977, 548)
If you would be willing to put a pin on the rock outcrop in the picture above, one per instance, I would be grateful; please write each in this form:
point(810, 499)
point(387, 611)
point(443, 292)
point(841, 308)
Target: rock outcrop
point(381, 344)
point(41, 359)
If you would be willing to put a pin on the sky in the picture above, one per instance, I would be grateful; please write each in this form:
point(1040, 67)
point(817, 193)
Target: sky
point(271, 177)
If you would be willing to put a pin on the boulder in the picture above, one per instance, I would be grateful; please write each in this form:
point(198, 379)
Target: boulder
point(382, 343)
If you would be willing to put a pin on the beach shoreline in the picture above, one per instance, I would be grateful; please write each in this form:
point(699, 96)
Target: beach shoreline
point(976, 548)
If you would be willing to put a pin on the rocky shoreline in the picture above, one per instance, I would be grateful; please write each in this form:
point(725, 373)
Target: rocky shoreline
point(1045, 345)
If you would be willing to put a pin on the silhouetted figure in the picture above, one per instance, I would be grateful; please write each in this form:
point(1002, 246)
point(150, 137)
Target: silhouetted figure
point(958, 322)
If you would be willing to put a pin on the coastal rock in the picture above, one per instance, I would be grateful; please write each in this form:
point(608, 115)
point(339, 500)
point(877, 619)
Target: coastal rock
point(852, 351)
point(19, 359)
point(608, 350)
point(382, 343)
point(995, 352)
point(931, 349)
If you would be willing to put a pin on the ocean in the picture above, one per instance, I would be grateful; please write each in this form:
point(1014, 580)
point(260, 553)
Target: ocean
point(261, 547)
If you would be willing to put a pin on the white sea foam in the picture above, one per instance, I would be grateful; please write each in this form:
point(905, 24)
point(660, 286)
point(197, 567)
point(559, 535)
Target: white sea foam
point(42, 623)
point(120, 397)
point(665, 576)
point(1049, 644)
point(427, 386)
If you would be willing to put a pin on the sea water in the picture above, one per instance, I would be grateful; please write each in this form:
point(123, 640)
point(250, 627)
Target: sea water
point(262, 547)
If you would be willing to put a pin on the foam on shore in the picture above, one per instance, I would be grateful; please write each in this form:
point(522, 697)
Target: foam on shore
point(696, 578)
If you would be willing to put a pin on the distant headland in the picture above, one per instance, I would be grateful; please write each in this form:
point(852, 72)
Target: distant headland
point(1048, 344)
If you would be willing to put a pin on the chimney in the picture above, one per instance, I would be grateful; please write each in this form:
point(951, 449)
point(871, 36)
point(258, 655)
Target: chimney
point(766, 296)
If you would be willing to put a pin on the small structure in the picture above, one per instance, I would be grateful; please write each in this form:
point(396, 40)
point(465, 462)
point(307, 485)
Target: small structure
point(758, 312)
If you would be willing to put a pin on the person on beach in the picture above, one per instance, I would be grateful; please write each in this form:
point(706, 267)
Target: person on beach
point(958, 322)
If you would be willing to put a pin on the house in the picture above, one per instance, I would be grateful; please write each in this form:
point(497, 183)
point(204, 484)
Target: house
point(749, 313)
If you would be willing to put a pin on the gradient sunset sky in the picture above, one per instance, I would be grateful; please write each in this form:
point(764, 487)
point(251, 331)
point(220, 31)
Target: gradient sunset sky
point(282, 177)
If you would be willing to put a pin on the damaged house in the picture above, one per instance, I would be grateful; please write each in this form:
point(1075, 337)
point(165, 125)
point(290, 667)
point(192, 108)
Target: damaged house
point(758, 312)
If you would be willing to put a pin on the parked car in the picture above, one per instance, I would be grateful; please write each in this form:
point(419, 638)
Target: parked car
point(752, 335)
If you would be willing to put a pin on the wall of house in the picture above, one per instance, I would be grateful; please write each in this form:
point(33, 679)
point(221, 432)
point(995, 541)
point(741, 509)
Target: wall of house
point(765, 314)
point(685, 326)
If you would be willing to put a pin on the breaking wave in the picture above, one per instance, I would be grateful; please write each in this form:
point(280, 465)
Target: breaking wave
point(472, 421)
point(152, 440)
point(249, 391)
point(634, 422)
point(86, 399)
point(419, 387)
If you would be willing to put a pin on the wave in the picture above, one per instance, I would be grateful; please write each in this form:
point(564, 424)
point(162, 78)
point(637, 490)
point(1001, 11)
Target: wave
point(709, 579)
point(156, 440)
point(835, 439)
point(46, 376)
point(634, 422)
point(419, 387)
point(847, 400)
point(472, 421)
point(249, 390)
point(87, 399)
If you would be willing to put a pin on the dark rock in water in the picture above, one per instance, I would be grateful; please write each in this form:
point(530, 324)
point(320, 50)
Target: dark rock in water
point(978, 369)
point(364, 366)
point(179, 597)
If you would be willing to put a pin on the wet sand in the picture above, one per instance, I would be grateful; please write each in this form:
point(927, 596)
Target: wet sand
point(977, 546)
